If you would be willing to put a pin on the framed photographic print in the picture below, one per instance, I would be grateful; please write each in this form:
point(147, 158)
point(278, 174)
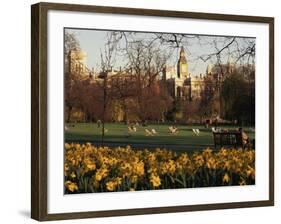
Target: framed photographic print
point(139, 111)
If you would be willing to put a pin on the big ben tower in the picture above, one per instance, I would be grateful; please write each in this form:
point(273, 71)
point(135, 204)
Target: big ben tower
point(182, 68)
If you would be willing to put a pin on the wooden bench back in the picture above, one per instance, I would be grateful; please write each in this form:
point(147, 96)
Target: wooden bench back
point(228, 139)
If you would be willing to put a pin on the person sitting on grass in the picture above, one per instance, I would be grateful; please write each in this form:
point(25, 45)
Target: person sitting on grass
point(173, 129)
point(132, 128)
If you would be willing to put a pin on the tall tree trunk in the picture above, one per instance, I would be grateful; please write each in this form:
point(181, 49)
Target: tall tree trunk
point(69, 114)
point(104, 108)
point(125, 112)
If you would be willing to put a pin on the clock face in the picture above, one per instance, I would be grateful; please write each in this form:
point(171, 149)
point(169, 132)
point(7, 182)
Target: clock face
point(184, 68)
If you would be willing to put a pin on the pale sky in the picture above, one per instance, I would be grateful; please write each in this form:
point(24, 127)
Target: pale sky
point(93, 42)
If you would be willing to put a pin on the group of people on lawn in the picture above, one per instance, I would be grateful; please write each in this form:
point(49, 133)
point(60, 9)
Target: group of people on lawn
point(151, 132)
point(174, 130)
point(132, 128)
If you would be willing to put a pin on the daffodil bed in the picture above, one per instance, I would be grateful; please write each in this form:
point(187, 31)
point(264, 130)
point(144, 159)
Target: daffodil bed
point(101, 169)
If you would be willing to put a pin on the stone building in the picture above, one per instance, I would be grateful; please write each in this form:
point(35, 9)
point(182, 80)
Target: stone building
point(180, 83)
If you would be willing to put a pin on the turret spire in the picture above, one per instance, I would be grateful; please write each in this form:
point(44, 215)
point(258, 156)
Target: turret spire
point(182, 64)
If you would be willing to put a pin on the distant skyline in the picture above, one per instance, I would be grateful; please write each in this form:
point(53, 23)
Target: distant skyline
point(92, 42)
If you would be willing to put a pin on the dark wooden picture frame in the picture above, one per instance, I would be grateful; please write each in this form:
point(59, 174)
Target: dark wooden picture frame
point(39, 149)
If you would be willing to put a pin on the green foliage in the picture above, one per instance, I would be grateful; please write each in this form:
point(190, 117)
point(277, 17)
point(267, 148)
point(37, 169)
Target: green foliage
point(238, 95)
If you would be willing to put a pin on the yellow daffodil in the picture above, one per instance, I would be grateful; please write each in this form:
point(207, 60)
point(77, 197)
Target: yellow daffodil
point(89, 164)
point(72, 175)
point(110, 186)
point(71, 186)
point(226, 178)
point(155, 180)
point(211, 163)
point(122, 168)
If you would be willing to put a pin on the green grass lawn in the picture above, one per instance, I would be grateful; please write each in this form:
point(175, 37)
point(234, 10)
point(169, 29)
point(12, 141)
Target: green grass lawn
point(117, 135)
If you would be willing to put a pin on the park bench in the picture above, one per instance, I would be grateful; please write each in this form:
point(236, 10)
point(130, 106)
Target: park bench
point(230, 138)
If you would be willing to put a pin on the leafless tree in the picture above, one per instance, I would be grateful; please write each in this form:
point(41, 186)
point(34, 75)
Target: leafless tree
point(72, 79)
point(146, 61)
point(107, 62)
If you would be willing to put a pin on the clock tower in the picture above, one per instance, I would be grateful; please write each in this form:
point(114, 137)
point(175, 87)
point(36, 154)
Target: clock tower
point(182, 68)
